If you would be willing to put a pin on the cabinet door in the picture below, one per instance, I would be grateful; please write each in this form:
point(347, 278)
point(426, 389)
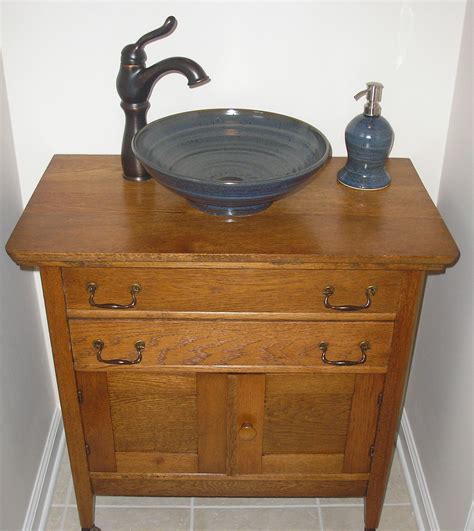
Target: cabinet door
point(320, 423)
point(234, 424)
point(288, 423)
point(139, 422)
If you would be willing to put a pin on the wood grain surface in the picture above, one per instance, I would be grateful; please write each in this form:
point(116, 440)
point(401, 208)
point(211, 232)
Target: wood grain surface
point(84, 212)
point(212, 405)
point(307, 414)
point(231, 290)
point(246, 397)
point(153, 412)
point(229, 343)
point(353, 485)
point(67, 387)
point(96, 421)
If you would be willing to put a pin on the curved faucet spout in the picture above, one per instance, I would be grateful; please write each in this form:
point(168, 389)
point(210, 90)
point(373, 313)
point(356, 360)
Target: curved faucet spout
point(135, 83)
point(182, 65)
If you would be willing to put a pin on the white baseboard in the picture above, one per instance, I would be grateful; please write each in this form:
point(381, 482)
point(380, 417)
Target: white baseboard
point(420, 496)
point(46, 477)
point(470, 519)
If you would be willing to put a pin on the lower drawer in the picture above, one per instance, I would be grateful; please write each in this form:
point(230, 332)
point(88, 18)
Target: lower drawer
point(227, 344)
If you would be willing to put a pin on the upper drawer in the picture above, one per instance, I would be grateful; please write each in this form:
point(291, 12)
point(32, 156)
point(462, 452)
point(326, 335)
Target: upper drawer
point(233, 290)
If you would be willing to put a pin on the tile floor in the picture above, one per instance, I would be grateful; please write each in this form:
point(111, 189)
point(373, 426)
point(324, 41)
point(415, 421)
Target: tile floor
point(231, 514)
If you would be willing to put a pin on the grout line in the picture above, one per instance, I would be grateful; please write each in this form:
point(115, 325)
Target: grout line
point(294, 506)
point(320, 514)
point(191, 518)
point(393, 504)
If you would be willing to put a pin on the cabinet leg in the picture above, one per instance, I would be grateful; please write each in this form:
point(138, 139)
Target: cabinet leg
point(86, 509)
point(372, 511)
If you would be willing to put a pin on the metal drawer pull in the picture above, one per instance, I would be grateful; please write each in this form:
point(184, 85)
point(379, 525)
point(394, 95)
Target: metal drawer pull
point(134, 289)
point(329, 290)
point(364, 347)
point(98, 344)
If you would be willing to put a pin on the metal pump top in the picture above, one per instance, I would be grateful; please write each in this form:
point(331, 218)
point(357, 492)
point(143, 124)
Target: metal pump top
point(374, 97)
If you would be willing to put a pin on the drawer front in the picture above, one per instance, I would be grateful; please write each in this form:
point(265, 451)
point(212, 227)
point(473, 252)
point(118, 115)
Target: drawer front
point(233, 290)
point(230, 343)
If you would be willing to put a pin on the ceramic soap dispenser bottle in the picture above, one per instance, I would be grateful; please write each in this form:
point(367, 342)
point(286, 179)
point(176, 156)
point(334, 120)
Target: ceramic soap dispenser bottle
point(369, 140)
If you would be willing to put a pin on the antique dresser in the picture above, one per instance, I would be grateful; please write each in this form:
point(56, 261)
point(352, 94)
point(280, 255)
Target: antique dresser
point(208, 356)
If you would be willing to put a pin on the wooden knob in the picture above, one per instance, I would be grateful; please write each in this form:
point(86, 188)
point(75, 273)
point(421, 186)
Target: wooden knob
point(247, 432)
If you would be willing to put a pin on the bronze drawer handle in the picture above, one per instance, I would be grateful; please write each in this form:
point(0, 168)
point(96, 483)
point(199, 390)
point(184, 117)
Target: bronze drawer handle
point(329, 290)
point(134, 289)
point(98, 344)
point(364, 347)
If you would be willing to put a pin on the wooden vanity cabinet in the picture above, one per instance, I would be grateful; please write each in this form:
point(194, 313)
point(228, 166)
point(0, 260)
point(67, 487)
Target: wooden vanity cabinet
point(229, 363)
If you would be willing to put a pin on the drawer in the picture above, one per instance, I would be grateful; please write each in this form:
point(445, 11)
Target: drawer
point(233, 290)
point(228, 343)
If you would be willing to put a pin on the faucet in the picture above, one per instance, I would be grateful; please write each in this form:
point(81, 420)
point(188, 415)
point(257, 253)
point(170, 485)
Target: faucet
point(135, 83)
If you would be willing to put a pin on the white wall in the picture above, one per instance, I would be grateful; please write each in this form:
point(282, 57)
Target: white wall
point(305, 59)
point(439, 401)
point(27, 400)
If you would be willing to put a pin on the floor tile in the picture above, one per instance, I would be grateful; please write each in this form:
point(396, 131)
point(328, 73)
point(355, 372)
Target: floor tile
point(63, 480)
point(142, 519)
point(261, 519)
point(71, 521)
point(342, 518)
point(394, 518)
point(245, 502)
point(398, 518)
point(323, 502)
point(55, 518)
point(397, 490)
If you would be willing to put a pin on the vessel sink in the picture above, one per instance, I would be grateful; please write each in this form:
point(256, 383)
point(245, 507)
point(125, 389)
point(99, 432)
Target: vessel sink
point(231, 162)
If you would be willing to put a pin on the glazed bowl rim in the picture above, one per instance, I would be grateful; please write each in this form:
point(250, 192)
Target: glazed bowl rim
point(306, 171)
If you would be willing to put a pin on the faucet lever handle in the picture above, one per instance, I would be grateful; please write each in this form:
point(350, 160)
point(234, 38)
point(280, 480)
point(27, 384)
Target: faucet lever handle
point(134, 54)
point(163, 31)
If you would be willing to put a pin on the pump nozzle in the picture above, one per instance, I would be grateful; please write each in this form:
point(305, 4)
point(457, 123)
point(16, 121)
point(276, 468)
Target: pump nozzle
point(374, 97)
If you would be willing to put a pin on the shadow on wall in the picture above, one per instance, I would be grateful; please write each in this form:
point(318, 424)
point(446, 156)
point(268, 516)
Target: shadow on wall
point(27, 400)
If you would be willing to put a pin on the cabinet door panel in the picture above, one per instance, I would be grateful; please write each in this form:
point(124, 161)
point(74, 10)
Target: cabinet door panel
point(307, 414)
point(153, 412)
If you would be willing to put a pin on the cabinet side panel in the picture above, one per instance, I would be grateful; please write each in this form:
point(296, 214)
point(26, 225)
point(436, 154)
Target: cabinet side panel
point(395, 384)
point(212, 422)
point(96, 421)
point(63, 363)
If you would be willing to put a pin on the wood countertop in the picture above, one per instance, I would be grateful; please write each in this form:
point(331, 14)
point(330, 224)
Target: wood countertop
point(83, 212)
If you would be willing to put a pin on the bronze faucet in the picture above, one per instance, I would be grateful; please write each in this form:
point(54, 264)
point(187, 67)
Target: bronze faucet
point(135, 83)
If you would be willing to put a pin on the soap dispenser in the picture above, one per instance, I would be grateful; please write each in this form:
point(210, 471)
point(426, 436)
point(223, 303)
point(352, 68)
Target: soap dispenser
point(369, 140)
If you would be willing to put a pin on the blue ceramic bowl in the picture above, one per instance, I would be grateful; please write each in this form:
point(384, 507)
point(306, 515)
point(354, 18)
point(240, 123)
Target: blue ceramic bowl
point(231, 161)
